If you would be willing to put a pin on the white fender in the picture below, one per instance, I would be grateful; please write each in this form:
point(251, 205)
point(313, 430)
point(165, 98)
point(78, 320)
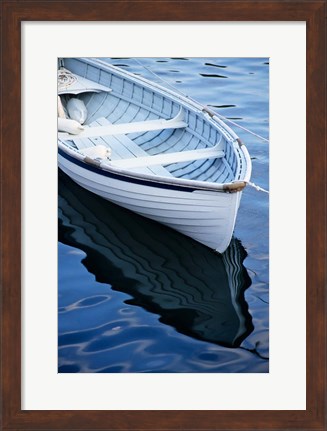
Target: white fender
point(77, 110)
point(98, 151)
point(69, 126)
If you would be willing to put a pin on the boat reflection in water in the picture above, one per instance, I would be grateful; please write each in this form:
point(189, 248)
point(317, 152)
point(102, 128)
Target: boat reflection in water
point(193, 289)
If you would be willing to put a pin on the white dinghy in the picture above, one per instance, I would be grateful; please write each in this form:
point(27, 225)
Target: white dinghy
point(150, 150)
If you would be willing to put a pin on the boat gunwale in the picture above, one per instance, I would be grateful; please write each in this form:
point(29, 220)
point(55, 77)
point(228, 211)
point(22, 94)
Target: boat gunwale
point(101, 168)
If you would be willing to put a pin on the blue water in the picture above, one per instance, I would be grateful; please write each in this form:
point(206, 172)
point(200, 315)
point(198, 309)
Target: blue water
point(135, 296)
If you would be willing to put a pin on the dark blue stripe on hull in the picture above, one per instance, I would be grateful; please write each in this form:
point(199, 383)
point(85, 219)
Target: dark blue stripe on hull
point(120, 177)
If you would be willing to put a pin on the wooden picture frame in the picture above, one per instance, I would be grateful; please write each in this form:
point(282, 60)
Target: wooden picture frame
point(13, 14)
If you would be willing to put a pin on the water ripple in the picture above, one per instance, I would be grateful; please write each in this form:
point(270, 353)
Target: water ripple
point(212, 75)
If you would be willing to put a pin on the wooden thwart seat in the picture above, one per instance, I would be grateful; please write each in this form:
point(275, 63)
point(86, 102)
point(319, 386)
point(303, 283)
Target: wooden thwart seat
point(139, 126)
point(168, 158)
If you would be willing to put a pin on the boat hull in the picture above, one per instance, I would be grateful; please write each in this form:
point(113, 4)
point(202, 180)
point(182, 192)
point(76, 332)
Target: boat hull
point(203, 215)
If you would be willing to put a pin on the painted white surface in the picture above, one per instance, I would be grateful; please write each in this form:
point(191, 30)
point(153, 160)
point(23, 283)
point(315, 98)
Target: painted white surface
point(137, 126)
point(165, 159)
point(210, 221)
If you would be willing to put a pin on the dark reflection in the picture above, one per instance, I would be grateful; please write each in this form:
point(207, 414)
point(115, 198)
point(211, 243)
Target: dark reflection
point(197, 291)
point(120, 65)
point(222, 106)
point(212, 75)
point(215, 65)
point(179, 58)
point(69, 369)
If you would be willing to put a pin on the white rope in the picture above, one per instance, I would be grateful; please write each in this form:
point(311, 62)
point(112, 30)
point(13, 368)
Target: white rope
point(65, 78)
point(259, 189)
point(241, 127)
